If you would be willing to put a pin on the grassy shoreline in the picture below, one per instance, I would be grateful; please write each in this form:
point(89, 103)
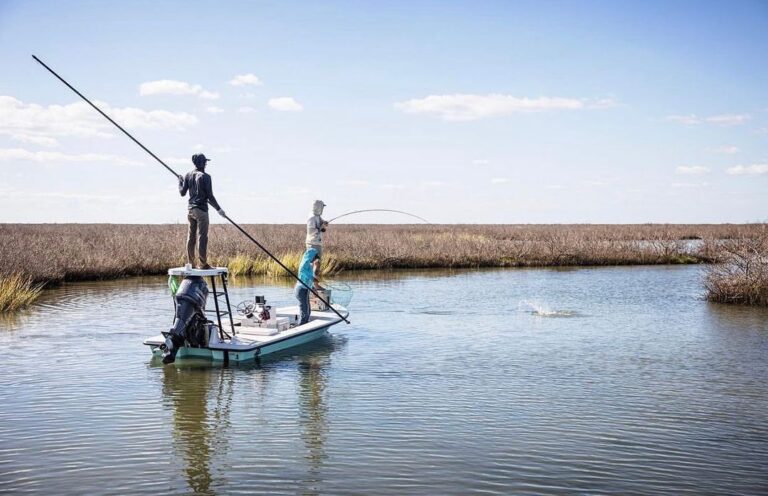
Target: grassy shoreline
point(53, 253)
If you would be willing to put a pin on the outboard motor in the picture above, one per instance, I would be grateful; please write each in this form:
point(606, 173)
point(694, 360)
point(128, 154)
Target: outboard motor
point(189, 324)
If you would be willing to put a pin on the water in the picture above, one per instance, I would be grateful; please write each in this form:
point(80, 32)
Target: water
point(591, 381)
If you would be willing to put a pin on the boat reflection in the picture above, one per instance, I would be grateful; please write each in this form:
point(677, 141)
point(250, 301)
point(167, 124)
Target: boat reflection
point(202, 396)
point(201, 399)
point(312, 415)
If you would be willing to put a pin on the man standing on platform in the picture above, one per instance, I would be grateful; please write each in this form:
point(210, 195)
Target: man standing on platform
point(198, 183)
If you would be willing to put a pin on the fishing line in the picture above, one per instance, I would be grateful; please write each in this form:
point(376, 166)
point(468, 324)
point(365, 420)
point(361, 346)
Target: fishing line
point(289, 271)
point(379, 210)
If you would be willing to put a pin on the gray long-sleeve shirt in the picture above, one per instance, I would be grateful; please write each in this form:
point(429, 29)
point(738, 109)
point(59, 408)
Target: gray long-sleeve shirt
point(198, 183)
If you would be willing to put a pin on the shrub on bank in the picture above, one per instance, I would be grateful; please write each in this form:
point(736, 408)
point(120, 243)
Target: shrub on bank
point(741, 273)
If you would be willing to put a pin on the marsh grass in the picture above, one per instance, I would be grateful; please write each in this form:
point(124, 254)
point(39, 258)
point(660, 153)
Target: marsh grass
point(52, 253)
point(17, 291)
point(260, 266)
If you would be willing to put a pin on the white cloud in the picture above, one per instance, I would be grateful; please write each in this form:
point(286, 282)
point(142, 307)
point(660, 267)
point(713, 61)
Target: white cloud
point(689, 185)
point(172, 87)
point(246, 110)
point(600, 182)
point(726, 149)
point(691, 169)
point(134, 118)
point(748, 170)
point(393, 186)
point(555, 186)
point(467, 107)
point(213, 109)
point(178, 161)
point(39, 124)
point(499, 180)
point(728, 119)
point(20, 154)
point(35, 140)
point(481, 161)
point(720, 120)
point(245, 80)
point(285, 104)
point(356, 182)
point(433, 184)
point(684, 119)
point(223, 149)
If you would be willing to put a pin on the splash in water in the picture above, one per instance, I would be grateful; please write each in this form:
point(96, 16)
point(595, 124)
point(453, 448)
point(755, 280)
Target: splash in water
point(542, 310)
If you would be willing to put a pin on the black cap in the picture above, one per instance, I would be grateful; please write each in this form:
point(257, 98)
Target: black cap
point(199, 160)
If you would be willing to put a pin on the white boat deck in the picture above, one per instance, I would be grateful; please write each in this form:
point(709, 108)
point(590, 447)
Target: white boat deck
point(249, 338)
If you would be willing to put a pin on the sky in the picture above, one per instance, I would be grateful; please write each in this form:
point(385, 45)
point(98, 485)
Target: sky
point(459, 112)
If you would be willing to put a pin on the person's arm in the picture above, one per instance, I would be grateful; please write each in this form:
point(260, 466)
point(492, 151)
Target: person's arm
point(209, 190)
point(183, 186)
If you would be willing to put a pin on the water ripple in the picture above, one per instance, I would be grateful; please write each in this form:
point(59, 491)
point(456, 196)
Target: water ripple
point(646, 394)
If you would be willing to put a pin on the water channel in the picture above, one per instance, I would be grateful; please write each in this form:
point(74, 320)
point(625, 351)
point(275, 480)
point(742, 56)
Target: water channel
point(523, 381)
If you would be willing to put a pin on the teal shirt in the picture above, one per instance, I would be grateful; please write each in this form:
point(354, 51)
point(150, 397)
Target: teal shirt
point(306, 272)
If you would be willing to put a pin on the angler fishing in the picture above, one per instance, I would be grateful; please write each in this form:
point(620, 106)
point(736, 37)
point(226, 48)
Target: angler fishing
point(255, 328)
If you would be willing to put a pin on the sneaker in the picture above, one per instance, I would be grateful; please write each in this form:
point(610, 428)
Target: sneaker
point(205, 267)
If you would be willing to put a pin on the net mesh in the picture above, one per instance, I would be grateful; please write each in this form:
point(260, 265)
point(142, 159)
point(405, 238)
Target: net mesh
point(341, 293)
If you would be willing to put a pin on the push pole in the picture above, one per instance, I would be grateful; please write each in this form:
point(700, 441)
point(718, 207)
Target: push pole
point(327, 303)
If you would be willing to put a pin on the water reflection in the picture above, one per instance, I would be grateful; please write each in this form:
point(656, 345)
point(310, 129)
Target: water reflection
point(201, 399)
point(199, 428)
point(312, 414)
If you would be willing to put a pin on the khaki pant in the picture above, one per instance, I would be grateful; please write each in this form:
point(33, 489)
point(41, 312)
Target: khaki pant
point(198, 224)
point(319, 249)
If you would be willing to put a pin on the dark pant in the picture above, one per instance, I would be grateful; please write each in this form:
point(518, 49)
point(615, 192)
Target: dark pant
point(198, 225)
point(302, 294)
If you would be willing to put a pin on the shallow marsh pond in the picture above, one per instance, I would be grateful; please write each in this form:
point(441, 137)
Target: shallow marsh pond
point(589, 381)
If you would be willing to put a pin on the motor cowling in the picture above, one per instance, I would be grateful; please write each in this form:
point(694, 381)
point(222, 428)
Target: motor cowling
point(193, 290)
point(189, 323)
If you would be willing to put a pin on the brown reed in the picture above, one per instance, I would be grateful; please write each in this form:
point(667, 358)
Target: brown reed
point(51, 253)
point(741, 272)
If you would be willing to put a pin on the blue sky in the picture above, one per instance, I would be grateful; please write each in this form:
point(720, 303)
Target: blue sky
point(461, 112)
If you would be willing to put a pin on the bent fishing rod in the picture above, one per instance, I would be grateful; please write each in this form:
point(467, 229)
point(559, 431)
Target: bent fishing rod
point(289, 271)
point(379, 210)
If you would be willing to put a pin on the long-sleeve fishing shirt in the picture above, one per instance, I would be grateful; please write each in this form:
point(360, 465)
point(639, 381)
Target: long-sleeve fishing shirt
point(198, 183)
point(315, 230)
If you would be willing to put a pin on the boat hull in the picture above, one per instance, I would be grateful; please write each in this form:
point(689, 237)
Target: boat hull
point(222, 355)
point(248, 344)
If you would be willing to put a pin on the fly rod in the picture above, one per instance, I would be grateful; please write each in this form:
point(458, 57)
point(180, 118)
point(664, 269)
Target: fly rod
point(289, 271)
point(379, 210)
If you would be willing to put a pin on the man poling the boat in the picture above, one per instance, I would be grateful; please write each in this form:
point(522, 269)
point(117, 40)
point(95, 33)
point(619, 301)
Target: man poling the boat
point(198, 183)
point(308, 268)
point(316, 226)
point(333, 310)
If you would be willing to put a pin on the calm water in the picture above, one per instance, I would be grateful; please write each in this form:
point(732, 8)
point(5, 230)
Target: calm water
point(596, 381)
